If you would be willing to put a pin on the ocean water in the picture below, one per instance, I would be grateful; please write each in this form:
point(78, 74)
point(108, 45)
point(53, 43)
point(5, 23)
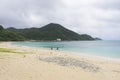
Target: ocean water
point(110, 49)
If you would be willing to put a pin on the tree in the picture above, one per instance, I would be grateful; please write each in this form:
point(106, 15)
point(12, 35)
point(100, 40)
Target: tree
point(6, 35)
point(1, 27)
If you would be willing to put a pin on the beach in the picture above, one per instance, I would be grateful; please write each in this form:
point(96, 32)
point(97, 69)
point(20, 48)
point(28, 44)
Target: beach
point(27, 63)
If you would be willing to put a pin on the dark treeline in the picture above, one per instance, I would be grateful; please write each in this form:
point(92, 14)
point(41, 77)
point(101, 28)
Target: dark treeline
point(48, 32)
point(7, 35)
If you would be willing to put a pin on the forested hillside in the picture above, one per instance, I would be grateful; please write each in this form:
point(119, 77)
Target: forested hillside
point(7, 35)
point(50, 32)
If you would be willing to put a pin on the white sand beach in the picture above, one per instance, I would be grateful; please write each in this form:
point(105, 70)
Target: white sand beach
point(26, 63)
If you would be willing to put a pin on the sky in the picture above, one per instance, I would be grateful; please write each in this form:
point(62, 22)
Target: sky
point(98, 18)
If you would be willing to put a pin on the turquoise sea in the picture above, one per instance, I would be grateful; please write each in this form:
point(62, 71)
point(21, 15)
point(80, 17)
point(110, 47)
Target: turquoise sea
point(110, 49)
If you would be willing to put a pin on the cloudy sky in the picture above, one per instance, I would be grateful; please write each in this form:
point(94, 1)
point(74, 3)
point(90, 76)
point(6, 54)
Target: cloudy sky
point(99, 18)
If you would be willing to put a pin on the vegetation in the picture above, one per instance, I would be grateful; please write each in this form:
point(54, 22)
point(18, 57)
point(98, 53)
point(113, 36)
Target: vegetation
point(1, 27)
point(7, 35)
point(50, 32)
point(5, 50)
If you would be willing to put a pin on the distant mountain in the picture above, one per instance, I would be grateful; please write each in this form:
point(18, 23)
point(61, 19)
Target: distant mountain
point(51, 32)
point(97, 38)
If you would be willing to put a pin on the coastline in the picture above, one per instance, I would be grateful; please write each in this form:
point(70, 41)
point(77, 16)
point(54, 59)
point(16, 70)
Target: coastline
point(79, 54)
point(98, 57)
point(34, 64)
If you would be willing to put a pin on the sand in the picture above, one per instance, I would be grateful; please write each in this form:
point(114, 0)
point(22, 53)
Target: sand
point(26, 63)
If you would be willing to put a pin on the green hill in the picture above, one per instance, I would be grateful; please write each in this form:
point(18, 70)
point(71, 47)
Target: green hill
point(50, 32)
point(7, 35)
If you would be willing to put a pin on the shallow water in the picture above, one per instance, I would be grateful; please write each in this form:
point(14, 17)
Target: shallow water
point(110, 49)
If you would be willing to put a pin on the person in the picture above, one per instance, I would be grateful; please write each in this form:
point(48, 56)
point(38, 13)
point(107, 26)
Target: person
point(57, 48)
point(51, 48)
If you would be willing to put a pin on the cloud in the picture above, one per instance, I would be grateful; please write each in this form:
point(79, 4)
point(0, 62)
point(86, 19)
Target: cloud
point(99, 18)
point(109, 4)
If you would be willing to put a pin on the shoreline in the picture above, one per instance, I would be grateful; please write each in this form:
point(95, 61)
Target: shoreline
point(27, 63)
point(76, 53)
point(98, 57)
